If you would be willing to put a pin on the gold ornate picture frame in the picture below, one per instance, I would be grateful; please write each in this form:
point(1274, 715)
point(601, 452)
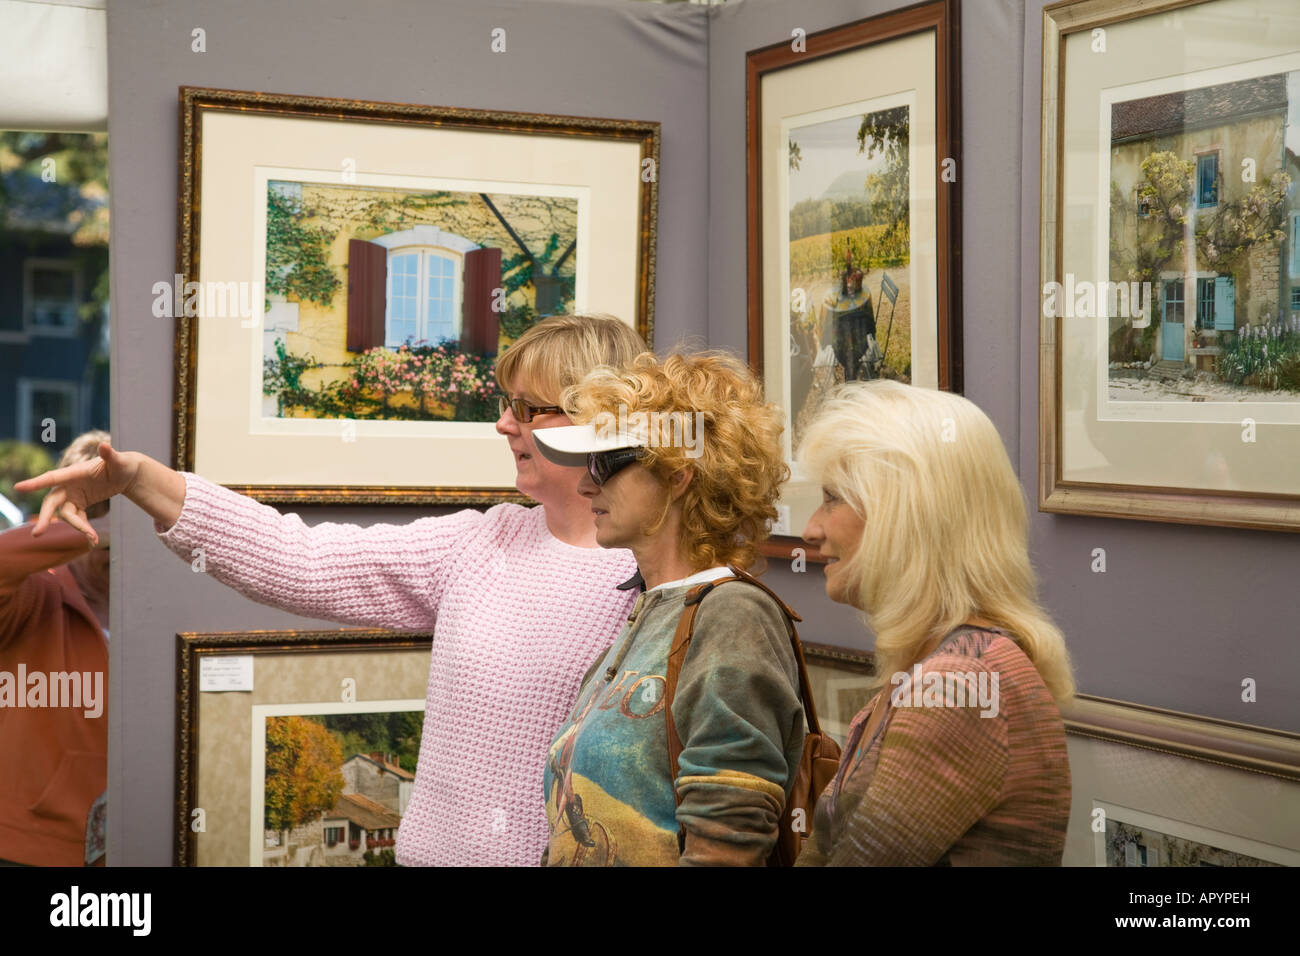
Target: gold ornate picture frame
point(348, 272)
point(240, 693)
point(1169, 322)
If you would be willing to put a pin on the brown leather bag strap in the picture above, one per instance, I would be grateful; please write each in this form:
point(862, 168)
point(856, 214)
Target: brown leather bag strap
point(744, 575)
point(676, 654)
point(682, 642)
point(805, 686)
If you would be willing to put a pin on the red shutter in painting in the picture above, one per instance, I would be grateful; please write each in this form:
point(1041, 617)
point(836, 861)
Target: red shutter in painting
point(367, 294)
point(478, 329)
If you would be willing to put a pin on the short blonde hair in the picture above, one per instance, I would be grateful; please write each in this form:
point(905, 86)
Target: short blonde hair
point(731, 497)
point(85, 447)
point(946, 535)
point(559, 350)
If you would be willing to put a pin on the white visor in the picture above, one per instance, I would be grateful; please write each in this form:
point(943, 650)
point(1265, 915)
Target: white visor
point(569, 445)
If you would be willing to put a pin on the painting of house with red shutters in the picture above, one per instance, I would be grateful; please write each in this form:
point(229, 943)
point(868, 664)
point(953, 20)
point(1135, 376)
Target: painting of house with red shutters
point(1205, 209)
point(389, 303)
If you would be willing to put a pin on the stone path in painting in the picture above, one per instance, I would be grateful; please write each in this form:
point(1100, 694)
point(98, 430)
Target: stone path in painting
point(1203, 388)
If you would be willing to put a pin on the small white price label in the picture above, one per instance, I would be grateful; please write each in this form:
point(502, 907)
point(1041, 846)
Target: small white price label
point(231, 672)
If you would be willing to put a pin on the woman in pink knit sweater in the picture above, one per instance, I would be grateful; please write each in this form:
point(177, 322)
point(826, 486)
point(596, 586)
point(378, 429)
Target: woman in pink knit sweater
point(520, 600)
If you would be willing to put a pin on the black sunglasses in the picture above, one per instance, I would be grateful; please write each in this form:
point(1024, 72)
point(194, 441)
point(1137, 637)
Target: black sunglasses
point(524, 412)
point(604, 465)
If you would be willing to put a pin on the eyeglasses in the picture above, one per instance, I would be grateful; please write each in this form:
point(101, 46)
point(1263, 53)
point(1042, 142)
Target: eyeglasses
point(524, 412)
point(604, 465)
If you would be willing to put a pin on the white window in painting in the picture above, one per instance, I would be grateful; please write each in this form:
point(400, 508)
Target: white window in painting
point(424, 295)
point(51, 296)
point(425, 284)
point(42, 403)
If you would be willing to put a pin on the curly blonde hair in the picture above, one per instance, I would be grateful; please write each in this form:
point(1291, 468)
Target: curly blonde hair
point(738, 468)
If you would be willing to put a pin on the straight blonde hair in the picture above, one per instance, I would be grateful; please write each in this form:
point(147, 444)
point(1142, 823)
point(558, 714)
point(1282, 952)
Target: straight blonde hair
point(946, 526)
point(559, 350)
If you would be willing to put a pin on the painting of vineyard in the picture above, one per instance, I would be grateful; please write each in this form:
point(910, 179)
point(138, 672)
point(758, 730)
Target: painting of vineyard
point(337, 786)
point(387, 303)
point(850, 294)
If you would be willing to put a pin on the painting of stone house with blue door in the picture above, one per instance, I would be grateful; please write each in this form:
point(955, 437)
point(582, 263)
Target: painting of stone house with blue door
point(1204, 209)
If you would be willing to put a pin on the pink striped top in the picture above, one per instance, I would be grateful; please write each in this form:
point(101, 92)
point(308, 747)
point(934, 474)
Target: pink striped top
point(517, 616)
point(947, 780)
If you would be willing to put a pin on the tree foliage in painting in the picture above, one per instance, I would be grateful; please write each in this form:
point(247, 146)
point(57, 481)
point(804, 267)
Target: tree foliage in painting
point(888, 132)
point(302, 771)
point(297, 252)
point(521, 270)
point(1149, 235)
point(1150, 232)
point(396, 733)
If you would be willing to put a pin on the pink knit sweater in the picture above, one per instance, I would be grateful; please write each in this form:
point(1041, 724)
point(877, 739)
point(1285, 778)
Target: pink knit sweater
point(517, 616)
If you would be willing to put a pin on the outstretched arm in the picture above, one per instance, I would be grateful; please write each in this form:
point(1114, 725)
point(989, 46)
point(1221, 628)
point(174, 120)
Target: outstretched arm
point(23, 554)
point(150, 484)
point(382, 576)
point(378, 576)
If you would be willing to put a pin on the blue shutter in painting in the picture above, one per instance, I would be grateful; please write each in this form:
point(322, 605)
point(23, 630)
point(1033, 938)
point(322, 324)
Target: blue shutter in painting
point(1225, 303)
point(1295, 246)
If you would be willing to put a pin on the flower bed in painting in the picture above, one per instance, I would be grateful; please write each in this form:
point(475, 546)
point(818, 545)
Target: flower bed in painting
point(412, 382)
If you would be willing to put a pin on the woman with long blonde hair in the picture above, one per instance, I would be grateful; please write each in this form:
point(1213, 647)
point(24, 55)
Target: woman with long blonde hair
point(960, 757)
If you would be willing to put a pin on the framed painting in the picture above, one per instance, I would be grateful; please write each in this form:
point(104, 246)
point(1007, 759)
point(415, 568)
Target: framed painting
point(296, 748)
point(1169, 361)
point(349, 273)
point(844, 681)
point(853, 218)
point(1136, 839)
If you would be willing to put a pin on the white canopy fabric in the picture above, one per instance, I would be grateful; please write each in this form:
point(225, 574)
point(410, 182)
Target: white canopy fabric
point(53, 65)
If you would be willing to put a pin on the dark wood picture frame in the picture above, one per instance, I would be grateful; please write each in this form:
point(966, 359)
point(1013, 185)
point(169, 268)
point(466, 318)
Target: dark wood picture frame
point(944, 18)
point(196, 101)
